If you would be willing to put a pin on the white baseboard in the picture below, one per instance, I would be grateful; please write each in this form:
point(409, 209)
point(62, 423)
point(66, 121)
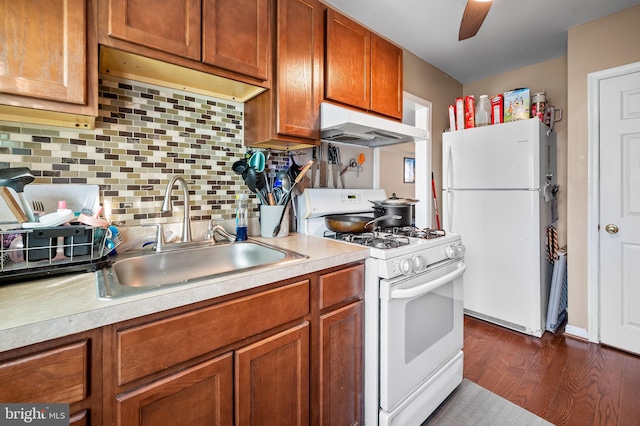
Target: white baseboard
point(576, 331)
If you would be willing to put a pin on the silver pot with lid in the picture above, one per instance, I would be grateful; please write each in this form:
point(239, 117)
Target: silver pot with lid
point(395, 206)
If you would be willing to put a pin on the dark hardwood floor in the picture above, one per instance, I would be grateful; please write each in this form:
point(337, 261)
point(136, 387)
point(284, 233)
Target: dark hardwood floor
point(564, 380)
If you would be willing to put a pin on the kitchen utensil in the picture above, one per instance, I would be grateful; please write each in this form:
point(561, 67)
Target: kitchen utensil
point(395, 206)
point(313, 168)
point(257, 161)
point(353, 224)
point(15, 209)
point(287, 196)
point(51, 219)
point(333, 159)
point(16, 178)
point(250, 179)
point(87, 207)
point(405, 213)
point(361, 159)
point(240, 166)
point(339, 166)
point(38, 208)
point(322, 168)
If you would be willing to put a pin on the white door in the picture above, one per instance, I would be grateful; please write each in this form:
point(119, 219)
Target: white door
point(620, 212)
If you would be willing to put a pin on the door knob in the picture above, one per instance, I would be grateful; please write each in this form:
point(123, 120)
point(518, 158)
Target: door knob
point(611, 228)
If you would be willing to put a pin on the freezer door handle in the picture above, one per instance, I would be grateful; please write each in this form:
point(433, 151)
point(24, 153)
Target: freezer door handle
point(449, 177)
point(410, 293)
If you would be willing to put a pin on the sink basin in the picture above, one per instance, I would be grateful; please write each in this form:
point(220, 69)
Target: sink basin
point(140, 272)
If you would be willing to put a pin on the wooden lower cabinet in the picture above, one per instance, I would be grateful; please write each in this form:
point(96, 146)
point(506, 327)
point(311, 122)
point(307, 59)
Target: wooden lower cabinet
point(340, 363)
point(200, 395)
point(272, 380)
point(290, 354)
point(65, 371)
point(341, 366)
point(271, 388)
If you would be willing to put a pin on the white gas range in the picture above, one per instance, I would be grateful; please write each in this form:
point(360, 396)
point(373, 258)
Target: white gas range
point(413, 307)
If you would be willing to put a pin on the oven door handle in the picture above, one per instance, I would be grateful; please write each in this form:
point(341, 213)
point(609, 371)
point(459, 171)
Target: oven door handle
point(408, 293)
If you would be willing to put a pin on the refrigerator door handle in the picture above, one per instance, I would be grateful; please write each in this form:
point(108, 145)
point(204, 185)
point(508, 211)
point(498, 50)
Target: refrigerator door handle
point(450, 209)
point(449, 180)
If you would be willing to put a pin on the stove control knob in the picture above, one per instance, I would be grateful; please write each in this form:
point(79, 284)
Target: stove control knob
point(406, 266)
point(418, 263)
point(455, 251)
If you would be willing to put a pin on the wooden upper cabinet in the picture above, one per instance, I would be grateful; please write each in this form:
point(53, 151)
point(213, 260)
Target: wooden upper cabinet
point(386, 77)
point(230, 35)
point(288, 115)
point(235, 35)
point(44, 49)
point(362, 69)
point(348, 63)
point(299, 67)
point(172, 26)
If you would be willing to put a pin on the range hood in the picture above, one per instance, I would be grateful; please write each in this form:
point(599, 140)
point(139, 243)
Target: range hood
point(339, 124)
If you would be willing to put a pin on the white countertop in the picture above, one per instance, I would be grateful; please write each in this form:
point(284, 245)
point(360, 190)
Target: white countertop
point(45, 309)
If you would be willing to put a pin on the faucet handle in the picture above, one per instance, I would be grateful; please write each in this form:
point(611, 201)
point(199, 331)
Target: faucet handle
point(217, 228)
point(159, 235)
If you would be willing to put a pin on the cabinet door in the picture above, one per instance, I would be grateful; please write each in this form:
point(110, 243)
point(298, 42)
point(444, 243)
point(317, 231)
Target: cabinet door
point(386, 77)
point(299, 45)
point(44, 49)
point(341, 366)
point(235, 35)
point(272, 380)
point(58, 375)
point(347, 67)
point(172, 26)
point(200, 395)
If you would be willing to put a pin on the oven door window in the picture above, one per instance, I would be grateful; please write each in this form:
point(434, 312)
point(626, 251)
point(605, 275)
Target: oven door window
point(428, 319)
point(421, 327)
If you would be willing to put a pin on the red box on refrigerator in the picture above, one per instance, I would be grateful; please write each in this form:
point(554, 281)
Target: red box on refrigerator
point(497, 109)
point(469, 112)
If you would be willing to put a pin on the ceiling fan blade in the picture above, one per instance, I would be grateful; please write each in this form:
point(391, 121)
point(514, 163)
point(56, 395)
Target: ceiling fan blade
point(472, 18)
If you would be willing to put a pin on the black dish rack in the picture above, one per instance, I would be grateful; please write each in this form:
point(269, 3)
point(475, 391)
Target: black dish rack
point(35, 253)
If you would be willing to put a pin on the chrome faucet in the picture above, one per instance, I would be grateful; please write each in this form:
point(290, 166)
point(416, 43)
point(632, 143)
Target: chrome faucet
point(167, 206)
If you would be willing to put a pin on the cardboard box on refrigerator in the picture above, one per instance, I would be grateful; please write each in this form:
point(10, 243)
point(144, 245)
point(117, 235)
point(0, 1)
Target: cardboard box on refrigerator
point(516, 105)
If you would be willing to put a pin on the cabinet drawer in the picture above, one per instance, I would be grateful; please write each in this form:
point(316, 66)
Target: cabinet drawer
point(58, 376)
point(342, 285)
point(153, 347)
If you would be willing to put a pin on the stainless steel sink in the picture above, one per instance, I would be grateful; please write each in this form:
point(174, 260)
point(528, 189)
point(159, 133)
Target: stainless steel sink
point(144, 271)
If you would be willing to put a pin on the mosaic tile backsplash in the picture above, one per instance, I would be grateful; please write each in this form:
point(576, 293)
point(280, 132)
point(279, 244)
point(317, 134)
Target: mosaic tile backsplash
point(144, 135)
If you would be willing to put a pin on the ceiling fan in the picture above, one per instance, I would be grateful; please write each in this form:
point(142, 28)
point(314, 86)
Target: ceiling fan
point(474, 13)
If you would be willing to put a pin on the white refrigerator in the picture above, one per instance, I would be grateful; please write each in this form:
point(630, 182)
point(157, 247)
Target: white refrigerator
point(498, 184)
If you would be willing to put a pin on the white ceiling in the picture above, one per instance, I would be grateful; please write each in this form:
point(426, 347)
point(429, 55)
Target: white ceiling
point(516, 33)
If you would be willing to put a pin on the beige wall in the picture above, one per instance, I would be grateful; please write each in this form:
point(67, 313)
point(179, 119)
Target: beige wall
point(549, 77)
point(595, 46)
point(429, 83)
